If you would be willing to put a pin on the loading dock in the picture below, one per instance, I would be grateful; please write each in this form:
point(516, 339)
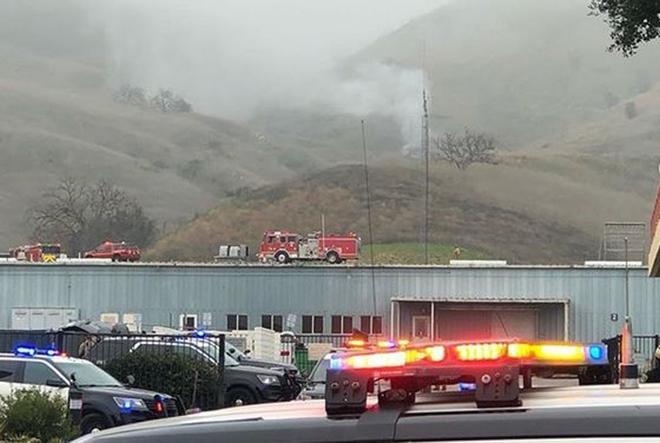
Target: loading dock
point(453, 319)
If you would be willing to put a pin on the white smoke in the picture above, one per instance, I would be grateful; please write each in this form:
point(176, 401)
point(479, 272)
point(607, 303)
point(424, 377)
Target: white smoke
point(232, 58)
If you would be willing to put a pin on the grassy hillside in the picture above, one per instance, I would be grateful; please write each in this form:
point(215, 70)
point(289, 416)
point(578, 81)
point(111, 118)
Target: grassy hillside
point(555, 217)
point(413, 253)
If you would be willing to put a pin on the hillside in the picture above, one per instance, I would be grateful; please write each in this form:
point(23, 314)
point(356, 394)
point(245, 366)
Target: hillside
point(555, 218)
point(520, 70)
point(58, 119)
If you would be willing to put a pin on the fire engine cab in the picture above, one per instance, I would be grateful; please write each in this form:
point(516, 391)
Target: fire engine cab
point(284, 247)
point(42, 253)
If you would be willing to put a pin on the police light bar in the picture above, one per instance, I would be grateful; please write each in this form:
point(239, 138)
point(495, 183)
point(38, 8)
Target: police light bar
point(31, 351)
point(525, 354)
point(490, 369)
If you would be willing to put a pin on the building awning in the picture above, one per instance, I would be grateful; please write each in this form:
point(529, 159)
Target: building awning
point(654, 251)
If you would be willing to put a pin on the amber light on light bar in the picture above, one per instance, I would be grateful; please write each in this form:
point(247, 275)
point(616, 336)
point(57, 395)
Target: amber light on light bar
point(558, 352)
point(481, 351)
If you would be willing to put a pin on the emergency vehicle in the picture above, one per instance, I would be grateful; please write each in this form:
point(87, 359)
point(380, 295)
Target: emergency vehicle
point(39, 253)
point(381, 395)
point(102, 401)
point(285, 246)
point(115, 252)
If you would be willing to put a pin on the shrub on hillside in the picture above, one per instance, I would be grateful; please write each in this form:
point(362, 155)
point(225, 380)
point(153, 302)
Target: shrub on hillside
point(196, 382)
point(31, 414)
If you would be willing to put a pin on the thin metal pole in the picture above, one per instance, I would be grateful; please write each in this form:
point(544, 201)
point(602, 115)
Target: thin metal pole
point(371, 237)
point(426, 179)
point(625, 240)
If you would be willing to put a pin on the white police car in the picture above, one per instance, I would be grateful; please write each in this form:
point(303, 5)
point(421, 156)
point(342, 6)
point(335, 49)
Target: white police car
point(101, 400)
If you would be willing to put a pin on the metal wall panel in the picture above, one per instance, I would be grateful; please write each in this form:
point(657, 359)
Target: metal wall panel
point(162, 292)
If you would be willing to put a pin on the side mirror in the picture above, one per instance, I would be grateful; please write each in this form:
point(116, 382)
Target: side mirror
point(246, 352)
point(56, 383)
point(130, 380)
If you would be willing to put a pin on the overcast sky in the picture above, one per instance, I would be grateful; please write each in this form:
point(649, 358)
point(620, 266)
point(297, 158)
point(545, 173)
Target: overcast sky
point(232, 57)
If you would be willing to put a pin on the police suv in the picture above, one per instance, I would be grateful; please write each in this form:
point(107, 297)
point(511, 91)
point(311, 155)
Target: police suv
point(101, 400)
point(384, 396)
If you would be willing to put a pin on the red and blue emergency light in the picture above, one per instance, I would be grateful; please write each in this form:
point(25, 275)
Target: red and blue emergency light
point(523, 353)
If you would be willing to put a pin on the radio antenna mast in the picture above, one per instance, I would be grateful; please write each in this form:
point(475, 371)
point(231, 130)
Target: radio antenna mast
point(371, 237)
point(425, 147)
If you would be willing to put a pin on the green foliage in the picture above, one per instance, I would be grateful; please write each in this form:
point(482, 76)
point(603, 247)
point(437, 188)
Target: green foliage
point(32, 414)
point(196, 381)
point(631, 22)
point(413, 254)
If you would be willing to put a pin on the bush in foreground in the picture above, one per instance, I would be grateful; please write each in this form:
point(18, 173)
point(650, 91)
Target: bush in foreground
point(29, 415)
point(195, 381)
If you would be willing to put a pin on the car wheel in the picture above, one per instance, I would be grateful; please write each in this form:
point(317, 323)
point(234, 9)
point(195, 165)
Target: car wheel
point(239, 397)
point(282, 257)
point(115, 258)
point(333, 258)
point(93, 422)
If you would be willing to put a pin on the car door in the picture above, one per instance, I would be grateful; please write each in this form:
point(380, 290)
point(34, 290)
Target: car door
point(41, 375)
point(9, 372)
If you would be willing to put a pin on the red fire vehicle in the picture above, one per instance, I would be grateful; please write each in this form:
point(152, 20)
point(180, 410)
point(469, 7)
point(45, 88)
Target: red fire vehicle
point(284, 247)
point(44, 253)
point(115, 251)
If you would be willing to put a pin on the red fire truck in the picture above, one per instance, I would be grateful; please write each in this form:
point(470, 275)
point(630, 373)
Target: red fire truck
point(45, 253)
point(284, 247)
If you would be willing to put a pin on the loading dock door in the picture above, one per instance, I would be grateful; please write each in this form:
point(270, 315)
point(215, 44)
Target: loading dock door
point(461, 324)
point(484, 319)
point(457, 324)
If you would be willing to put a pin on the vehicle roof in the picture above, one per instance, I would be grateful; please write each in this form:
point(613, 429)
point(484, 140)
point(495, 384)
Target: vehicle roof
point(54, 358)
point(452, 416)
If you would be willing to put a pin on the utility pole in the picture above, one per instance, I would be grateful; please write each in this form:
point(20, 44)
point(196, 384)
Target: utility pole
point(371, 234)
point(628, 371)
point(425, 147)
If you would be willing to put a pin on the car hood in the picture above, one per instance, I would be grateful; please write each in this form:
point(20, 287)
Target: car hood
point(122, 391)
point(253, 370)
point(295, 409)
point(257, 362)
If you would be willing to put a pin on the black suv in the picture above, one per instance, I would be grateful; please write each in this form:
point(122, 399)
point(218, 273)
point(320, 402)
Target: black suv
point(105, 401)
point(247, 360)
point(243, 384)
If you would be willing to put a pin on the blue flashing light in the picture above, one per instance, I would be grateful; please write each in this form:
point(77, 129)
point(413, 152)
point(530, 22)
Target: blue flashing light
point(127, 405)
point(25, 351)
point(467, 387)
point(31, 351)
point(596, 352)
point(336, 363)
point(200, 333)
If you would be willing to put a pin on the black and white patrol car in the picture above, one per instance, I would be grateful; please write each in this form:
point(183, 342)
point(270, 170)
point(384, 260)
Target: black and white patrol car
point(105, 401)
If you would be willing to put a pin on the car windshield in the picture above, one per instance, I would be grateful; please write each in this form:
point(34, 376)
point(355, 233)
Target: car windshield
point(319, 374)
point(87, 374)
point(213, 350)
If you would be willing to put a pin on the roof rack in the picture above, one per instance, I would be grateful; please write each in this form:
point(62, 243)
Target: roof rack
point(493, 367)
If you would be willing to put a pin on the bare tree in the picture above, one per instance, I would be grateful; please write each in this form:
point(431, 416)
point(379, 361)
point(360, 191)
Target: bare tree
point(80, 216)
point(464, 150)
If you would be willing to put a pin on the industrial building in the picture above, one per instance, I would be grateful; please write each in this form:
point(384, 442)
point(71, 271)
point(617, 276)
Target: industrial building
point(483, 300)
